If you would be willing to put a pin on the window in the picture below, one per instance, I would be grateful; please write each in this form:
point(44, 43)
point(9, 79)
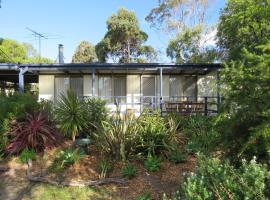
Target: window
point(120, 89)
point(105, 87)
point(176, 86)
point(109, 87)
point(62, 84)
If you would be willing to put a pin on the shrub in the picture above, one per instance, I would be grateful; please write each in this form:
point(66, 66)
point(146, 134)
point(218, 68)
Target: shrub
point(144, 196)
point(66, 158)
point(36, 132)
point(71, 115)
point(180, 120)
point(96, 112)
point(27, 154)
point(152, 163)
point(70, 156)
point(129, 171)
point(104, 166)
point(201, 134)
point(17, 105)
point(217, 180)
point(177, 156)
point(46, 107)
point(244, 122)
point(117, 136)
point(155, 135)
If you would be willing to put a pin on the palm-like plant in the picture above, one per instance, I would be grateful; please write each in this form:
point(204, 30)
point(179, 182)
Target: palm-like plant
point(71, 114)
point(35, 132)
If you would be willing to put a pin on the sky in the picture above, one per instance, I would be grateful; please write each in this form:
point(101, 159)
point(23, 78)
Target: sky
point(68, 22)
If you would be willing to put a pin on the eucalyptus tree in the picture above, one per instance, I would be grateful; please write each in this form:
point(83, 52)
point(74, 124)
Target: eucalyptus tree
point(184, 21)
point(124, 40)
point(177, 15)
point(84, 53)
point(188, 47)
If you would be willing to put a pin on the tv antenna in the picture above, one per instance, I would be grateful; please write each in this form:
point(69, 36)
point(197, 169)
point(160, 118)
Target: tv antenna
point(41, 36)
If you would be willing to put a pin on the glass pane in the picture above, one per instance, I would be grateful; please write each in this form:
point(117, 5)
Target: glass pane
point(61, 86)
point(105, 87)
point(176, 87)
point(76, 85)
point(190, 88)
point(120, 89)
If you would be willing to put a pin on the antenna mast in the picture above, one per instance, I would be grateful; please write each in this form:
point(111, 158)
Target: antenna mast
point(40, 36)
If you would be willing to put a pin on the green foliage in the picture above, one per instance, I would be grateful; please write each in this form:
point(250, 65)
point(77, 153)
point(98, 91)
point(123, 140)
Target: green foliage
point(144, 196)
point(155, 134)
point(129, 171)
point(244, 123)
point(104, 166)
point(66, 158)
point(186, 47)
point(117, 136)
point(85, 53)
point(71, 115)
point(16, 106)
point(13, 106)
point(122, 137)
point(201, 134)
point(175, 15)
point(96, 112)
point(123, 40)
point(46, 107)
point(243, 24)
point(215, 179)
point(27, 154)
point(177, 156)
point(152, 163)
point(20, 53)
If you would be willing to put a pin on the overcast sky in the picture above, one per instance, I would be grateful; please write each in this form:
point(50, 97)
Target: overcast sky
point(69, 22)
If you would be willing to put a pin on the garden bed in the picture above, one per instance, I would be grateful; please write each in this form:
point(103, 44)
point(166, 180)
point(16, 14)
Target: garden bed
point(164, 181)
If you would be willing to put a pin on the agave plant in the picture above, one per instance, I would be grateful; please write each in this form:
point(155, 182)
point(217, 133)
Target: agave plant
point(71, 114)
point(35, 132)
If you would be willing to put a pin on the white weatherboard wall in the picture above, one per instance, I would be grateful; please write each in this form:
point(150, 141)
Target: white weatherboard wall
point(46, 87)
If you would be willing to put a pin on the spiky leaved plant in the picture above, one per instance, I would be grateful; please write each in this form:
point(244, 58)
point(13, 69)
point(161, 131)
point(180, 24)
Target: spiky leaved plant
point(71, 114)
point(35, 132)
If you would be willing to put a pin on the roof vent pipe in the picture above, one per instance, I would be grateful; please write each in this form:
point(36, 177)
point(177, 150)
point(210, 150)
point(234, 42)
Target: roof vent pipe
point(61, 54)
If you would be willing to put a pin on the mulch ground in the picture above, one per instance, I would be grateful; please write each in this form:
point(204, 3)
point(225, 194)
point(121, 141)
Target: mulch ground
point(167, 180)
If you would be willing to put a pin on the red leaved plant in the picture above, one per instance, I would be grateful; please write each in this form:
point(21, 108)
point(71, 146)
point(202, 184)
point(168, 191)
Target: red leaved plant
point(36, 132)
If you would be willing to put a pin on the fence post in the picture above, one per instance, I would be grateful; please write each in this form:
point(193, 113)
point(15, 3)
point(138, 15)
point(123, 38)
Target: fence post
point(205, 106)
point(161, 105)
point(152, 103)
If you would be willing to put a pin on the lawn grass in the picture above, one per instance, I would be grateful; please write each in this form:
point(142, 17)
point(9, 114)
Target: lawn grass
point(48, 192)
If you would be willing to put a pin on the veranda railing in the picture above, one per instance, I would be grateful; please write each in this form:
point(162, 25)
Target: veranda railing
point(179, 104)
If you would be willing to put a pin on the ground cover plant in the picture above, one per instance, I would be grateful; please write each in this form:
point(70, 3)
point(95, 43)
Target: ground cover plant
point(66, 158)
point(129, 171)
point(27, 154)
point(152, 163)
point(105, 166)
point(216, 179)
